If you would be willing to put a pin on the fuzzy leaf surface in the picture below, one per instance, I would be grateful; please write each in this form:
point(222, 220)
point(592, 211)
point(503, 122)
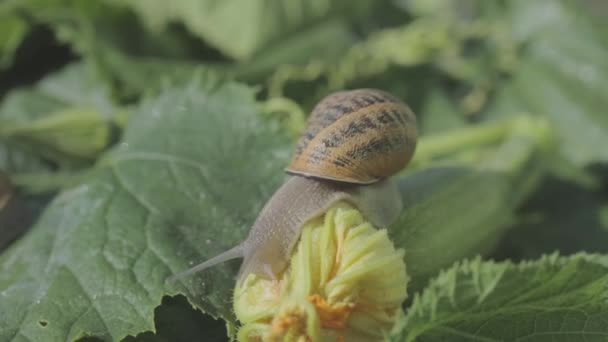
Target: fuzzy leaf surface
point(191, 173)
point(551, 299)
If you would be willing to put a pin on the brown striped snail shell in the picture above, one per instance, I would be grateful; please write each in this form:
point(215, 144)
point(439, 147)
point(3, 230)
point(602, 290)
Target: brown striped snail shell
point(354, 142)
point(357, 136)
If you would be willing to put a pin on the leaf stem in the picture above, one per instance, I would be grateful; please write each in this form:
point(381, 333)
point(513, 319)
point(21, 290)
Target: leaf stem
point(47, 182)
point(437, 146)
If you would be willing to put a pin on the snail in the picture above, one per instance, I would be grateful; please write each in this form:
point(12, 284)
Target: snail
point(355, 140)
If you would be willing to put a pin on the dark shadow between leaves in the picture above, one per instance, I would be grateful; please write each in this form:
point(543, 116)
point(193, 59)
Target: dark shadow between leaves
point(176, 320)
point(17, 212)
point(560, 216)
point(27, 66)
point(90, 339)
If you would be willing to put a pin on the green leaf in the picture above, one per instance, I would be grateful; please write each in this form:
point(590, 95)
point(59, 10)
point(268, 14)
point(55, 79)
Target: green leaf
point(405, 46)
point(190, 175)
point(137, 75)
point(104, 32)
point(98, 30)
point(297, 49)
point(495, 169)
point(259, 21)
point(552, 299)
point(562, 74)
point(12, 32)
point(574, 109)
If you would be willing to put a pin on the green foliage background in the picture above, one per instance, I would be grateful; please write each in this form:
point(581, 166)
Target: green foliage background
point(144, 136)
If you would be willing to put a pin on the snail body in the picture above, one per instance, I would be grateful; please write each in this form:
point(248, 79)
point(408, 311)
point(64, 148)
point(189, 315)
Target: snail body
point(274, 234)
point(354, 142)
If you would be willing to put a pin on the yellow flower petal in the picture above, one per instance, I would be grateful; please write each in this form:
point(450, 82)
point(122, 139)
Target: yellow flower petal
point(345, 282)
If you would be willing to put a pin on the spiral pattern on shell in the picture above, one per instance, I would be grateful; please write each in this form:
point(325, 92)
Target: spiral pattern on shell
point(357, 136)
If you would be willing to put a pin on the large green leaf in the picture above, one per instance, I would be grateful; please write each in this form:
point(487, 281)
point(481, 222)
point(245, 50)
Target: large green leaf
point(190, 175)
point(240, 28)
point(136, 59)
point(552, 299)
point(575, 109)
point(562, 75)
point(134, 75)
point(97, 30)
point(493, 173)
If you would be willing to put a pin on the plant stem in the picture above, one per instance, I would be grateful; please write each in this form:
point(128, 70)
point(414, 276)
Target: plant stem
point(436, 146)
